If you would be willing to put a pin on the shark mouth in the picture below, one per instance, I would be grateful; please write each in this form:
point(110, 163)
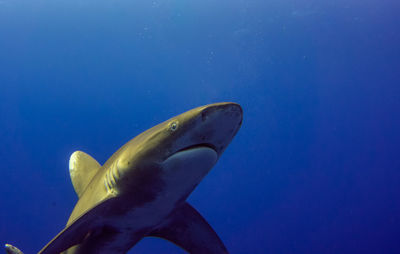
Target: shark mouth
point(202, 145)
point(195, 160)
point(194, 149)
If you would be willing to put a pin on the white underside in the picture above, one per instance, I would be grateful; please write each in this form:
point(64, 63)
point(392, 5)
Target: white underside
point(182, 172)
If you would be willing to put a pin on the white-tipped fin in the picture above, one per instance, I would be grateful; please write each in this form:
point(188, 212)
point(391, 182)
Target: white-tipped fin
point(82, 168)
point(12, 249)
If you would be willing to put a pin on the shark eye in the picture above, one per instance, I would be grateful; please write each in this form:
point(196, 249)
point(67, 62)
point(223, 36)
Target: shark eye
point(173, 126)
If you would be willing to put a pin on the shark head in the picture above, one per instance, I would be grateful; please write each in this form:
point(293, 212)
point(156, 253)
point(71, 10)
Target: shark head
point(179, 152)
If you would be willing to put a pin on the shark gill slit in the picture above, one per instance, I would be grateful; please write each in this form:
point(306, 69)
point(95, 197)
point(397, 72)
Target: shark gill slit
point(107, 182)
point(112, 178)
point(115, 173)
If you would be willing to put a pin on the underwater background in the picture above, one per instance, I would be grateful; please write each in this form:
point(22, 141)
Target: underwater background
point(315, 167)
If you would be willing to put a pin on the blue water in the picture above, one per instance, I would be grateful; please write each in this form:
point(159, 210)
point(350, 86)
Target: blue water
point(315, 167)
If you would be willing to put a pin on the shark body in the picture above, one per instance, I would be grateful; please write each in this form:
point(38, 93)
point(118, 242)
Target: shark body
point(142, 188)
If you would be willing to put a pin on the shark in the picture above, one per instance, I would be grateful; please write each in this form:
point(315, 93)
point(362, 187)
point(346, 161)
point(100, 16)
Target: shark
point(142, 189)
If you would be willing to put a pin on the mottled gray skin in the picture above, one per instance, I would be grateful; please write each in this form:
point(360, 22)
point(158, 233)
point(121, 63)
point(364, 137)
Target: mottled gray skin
point(142, 189)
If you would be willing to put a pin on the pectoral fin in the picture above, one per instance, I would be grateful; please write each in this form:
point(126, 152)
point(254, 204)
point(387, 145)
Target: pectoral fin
point(190, 231)
point(76, 231)
point(67, 238)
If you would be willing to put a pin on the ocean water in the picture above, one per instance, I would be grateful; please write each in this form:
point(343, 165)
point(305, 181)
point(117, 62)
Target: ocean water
point(315, 167)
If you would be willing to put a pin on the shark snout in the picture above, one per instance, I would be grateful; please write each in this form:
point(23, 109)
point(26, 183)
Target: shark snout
point(221, 122)
point(223, 109)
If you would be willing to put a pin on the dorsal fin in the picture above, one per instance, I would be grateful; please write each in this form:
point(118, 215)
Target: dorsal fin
point(82, 168)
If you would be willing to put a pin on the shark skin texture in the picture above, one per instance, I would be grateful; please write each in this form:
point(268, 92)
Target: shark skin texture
point(142, 188)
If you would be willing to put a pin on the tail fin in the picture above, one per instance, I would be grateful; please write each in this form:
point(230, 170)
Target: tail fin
point(12, 249)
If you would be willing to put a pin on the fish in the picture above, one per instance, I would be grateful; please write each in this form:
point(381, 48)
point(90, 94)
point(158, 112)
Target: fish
point(142, 189)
